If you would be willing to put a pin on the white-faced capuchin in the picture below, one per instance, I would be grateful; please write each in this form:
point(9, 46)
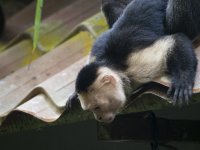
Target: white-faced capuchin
point(146, 39)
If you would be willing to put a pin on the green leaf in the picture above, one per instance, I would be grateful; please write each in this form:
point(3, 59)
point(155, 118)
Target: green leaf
point(37, 24)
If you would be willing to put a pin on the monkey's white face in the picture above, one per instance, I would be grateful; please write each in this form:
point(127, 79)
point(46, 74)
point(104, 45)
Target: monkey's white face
point(105, 96)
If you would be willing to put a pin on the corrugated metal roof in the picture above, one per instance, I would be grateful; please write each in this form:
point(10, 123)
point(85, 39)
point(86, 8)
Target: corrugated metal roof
point(43, 83)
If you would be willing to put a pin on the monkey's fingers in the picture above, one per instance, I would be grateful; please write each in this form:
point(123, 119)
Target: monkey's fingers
point(176, 95)
point(72, 100)
point(170, 90)
point(180, 93)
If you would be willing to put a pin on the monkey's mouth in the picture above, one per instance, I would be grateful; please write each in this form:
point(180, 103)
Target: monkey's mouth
point(108, 121)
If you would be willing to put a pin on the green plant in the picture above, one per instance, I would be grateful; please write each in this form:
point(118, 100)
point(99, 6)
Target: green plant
point(38, 16)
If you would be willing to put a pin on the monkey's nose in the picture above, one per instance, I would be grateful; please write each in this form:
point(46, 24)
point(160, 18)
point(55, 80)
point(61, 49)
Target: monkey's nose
point(99, 118)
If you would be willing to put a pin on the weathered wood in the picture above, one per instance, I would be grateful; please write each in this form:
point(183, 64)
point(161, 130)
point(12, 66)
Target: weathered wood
point(19, 22)
point(54, 31)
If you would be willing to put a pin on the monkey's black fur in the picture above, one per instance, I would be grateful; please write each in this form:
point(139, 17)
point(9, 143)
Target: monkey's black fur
point(113, 9)
point(86, 77)
point(183, 16)
point(137, 26)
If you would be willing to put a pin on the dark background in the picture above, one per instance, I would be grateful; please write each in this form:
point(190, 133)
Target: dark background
point(84, 136)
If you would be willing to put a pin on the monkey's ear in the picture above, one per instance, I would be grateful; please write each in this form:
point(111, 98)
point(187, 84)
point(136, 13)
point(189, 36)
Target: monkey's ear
point(108, 79)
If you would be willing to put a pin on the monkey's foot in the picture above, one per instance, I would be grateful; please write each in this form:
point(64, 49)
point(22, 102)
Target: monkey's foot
point(72, 101)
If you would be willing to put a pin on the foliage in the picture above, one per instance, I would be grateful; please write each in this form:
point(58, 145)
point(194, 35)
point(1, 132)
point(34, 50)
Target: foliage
point(38, 16)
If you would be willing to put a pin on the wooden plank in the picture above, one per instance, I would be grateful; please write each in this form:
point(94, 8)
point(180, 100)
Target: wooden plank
point(16, 57)
point(56, 29)
point(25, 18)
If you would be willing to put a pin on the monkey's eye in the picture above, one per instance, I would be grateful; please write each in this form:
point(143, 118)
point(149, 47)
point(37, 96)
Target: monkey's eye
point(97, 108)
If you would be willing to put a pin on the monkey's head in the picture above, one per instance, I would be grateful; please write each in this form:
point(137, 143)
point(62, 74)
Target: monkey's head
point(100, 90)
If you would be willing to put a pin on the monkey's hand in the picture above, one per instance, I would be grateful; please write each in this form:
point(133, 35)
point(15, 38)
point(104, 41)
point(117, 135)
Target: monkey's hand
point(180, 91)
point(72, 101)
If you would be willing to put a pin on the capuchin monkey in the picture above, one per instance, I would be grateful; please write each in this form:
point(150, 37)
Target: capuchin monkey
point(146, 39)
